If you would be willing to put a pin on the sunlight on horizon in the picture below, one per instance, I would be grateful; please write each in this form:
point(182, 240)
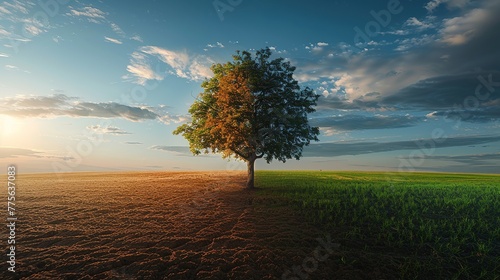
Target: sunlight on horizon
point(10, 126)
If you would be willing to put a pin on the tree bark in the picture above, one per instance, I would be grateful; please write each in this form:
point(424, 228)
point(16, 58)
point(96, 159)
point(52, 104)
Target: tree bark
point(251, 173)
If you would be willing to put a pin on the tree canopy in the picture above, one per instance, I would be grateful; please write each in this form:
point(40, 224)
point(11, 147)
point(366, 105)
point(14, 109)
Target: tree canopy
point(252, 108)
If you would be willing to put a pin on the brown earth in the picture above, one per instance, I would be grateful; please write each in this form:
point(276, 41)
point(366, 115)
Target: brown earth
point(163, 225)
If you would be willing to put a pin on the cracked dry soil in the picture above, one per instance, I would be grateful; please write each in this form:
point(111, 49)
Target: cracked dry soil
point(157, 225)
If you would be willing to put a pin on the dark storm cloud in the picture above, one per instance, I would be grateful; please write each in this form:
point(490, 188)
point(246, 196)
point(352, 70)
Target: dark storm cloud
point(476, 160)
point(357, 122)
point(337, 102)
point(475, 116)
point(446, 92)
point(478, 28)
point(359, 148)
point(435, 74)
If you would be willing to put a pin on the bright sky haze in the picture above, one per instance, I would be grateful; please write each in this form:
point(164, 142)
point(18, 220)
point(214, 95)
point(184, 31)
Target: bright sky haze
point(101, 85)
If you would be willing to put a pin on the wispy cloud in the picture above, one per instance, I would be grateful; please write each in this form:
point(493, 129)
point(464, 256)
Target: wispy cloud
point(15, 68)
point(432, 5)
point(17, 6)
point(178, 61)
point(178, 150)
point(112, 40)
point(8, 152)
point(173, 149)
point(180, 64)
point(4, 32)
point(360, 148)
point(15, 152)
point(216, 45)
point(133, 143)
point(107, 130)
point(460, 30)
point(34, 28)
point(358, 122)
point(4, 10)
point(316, 47)
point(117, 29)
point(475, 159)
point(90, 13)
point(22, 23)
point(60, 105)
point(140, 69)
point(426, 23)
point(136, 38)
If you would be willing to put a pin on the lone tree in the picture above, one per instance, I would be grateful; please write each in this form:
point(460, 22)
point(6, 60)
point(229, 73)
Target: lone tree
point(252, 108)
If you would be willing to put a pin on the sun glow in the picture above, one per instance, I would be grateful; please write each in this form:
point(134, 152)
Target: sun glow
point(9, 126)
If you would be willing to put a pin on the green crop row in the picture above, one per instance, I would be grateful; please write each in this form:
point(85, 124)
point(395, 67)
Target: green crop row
point(447, 224)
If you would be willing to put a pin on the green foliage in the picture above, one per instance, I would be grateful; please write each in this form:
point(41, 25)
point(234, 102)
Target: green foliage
point(445, 226)
point(271, 124)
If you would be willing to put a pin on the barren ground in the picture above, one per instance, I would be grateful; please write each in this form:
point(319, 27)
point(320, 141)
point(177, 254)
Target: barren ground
point(159, 225)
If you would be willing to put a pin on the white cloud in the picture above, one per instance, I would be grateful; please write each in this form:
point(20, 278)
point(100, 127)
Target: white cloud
point(348, 84)
point(327, 131)
point(136, 38)
point(33, 29)
point(431, 115)
point(4, 32)
point(17, 6)
point(117, 29)
point(141, 70)
point(112, 40)
point(4, 55)
point(62, 105)
point(168, 119)
point(11, 67)
point(3, 10)
point(92, 14)
point(177, 60)
point(414, 22)
point(355, 75)
point(316, 47)
point(182, 65)
point(399, 32)
point(432, 5)
point(22, 21)
point(459, 30)
point(107, 130)
point(216, 45)
point(409, 43)
point(200, 69)
point(57, 39)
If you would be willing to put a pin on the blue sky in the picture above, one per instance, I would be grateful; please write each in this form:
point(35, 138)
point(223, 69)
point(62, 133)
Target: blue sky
point(101, 85)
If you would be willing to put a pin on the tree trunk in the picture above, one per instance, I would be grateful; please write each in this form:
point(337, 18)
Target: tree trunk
point(251, 173)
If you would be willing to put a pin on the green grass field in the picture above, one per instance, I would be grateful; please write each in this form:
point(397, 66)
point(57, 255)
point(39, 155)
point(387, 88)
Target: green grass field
point(407, 225)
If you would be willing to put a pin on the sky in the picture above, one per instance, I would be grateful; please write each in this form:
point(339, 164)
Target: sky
point(100, 85)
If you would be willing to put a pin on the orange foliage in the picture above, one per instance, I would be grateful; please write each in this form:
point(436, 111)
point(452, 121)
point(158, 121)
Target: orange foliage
point(231, 123)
